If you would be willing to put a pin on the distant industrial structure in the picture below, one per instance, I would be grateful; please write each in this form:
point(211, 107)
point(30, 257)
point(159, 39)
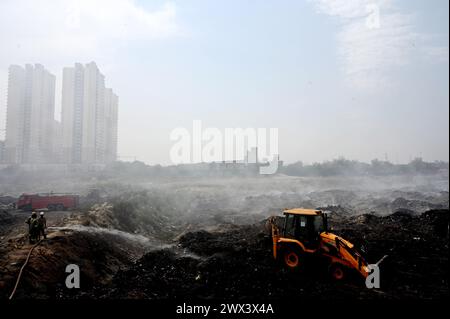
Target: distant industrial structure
point(87, 133)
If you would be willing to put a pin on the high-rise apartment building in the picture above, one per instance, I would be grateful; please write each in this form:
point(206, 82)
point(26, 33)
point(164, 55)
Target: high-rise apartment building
point(89, 116)
point(111, 122)
point(30, 115)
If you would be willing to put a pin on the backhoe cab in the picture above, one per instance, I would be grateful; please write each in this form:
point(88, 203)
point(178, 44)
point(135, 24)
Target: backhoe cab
point(305, 231)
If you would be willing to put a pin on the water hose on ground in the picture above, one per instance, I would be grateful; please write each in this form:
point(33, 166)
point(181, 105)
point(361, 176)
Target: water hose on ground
point(21, 269)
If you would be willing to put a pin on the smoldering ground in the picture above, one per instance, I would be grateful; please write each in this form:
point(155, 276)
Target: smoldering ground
point(177, 236)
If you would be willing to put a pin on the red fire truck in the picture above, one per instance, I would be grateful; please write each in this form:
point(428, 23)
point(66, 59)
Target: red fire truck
point(50, 201)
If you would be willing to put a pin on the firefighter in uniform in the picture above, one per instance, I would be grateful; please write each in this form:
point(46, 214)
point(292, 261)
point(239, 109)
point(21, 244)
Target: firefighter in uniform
point(42, 222)
point(33, 227)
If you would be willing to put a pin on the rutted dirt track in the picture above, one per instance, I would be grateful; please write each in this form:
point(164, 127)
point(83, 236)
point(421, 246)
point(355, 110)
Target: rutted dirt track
point(140, 245)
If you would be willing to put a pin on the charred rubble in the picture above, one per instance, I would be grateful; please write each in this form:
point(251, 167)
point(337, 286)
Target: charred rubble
point(237, 263)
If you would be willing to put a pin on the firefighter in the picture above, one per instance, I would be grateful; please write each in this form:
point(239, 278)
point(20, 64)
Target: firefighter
point(42, 222)
point(33, 227)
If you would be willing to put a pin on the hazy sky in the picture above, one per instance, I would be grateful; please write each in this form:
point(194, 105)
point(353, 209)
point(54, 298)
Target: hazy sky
point(335, 80)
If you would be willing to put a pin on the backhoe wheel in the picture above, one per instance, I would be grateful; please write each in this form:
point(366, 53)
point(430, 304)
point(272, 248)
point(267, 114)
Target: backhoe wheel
point(337, 272)
point(292, 259)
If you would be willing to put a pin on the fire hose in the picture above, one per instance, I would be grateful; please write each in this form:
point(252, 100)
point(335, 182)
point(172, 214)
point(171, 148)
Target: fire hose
point(21, 269)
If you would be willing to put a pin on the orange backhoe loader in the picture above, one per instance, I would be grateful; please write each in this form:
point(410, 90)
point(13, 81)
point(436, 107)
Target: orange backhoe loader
point(302, 233)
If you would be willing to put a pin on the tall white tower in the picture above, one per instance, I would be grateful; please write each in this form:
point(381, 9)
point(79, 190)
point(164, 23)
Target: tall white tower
point(85, 125)
point(30, 115)
point(111, 120)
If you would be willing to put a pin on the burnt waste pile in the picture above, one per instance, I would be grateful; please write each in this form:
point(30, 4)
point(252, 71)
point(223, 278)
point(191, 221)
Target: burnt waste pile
point(208, 239)
point(236, 262)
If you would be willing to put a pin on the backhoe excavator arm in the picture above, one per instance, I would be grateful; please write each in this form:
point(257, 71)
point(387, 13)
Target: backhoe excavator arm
point(346, 254)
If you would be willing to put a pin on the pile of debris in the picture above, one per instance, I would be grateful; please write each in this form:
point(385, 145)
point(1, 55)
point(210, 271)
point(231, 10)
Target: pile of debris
point(127, 216)
point(238, 263)
point(7, 202)
point(6, 220)
point(417, 246)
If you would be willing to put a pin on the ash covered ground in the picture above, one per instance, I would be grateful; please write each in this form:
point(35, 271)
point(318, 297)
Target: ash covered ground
point(206, 238)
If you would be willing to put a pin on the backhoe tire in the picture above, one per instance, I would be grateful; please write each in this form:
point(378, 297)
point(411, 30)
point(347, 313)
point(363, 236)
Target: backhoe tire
point(293, 258)
point(337, 272)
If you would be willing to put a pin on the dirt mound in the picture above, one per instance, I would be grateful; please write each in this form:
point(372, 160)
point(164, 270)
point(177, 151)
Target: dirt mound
point(130, 216)
point(240, 238)
point(414, 205)
point(98, 254)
